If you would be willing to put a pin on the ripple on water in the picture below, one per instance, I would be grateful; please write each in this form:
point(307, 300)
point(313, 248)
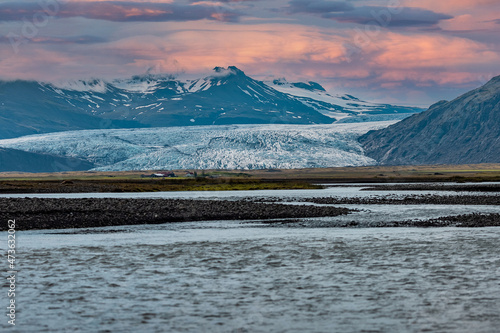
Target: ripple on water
point(266, 280)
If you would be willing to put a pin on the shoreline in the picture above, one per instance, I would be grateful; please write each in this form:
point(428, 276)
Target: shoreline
point(227, 180)
point(36, 213)
point(415, 199)
point(50, 213)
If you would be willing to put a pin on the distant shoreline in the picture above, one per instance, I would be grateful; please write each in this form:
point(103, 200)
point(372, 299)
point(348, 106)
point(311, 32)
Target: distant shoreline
point(86, 213)
point(234, 180)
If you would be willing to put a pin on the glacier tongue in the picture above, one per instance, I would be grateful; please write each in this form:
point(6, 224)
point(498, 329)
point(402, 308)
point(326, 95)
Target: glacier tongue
point(209, 147)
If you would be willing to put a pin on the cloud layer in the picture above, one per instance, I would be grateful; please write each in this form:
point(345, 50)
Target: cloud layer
point(319, 6)
point(404, 17)
point(415, 53)
point(121, 11)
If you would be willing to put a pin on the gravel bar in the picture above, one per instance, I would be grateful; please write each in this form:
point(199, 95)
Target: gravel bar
point(38, 213)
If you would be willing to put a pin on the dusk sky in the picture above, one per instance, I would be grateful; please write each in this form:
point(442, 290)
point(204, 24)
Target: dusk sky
point(412, 52)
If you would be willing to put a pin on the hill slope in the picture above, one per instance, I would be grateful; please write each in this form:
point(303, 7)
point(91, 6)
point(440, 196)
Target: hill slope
point(18, 160)
point(28, 107)
point(465, 130)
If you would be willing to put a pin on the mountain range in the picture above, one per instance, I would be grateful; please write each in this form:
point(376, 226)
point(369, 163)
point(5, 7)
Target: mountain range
point(464, 130)
point(227, 96)
point(230, 121)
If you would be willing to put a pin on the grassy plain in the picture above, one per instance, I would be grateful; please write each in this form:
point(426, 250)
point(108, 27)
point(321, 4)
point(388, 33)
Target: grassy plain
point(217, 180)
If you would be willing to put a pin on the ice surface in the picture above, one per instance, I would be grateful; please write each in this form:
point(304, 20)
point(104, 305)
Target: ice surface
point(209, 147)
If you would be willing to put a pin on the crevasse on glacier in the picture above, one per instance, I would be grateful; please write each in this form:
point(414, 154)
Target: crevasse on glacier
point(208, 147)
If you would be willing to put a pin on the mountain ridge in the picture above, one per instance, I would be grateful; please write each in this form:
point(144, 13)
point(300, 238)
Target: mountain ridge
point(464, 130)
point(228, 96)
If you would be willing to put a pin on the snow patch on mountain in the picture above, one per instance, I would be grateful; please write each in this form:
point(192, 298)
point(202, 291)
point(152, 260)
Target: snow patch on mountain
point(96, 85)
point(318, 95)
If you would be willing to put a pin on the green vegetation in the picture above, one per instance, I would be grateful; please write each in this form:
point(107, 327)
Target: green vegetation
point(147, 185)
point(208, 184)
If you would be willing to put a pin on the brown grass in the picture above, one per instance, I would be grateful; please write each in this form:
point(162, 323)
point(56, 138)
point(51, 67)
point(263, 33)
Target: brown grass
point(219, 180)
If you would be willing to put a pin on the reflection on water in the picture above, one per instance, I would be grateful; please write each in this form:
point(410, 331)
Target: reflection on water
point(233, 277)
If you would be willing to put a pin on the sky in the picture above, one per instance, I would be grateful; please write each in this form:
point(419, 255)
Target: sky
point(411, 52)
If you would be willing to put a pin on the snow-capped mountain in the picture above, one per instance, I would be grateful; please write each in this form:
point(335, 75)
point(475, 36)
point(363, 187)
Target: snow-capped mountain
point(206, 147)
point(341, 107)
point(227, 96)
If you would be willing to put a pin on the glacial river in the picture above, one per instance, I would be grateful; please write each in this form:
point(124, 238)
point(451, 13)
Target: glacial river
point(243, 276)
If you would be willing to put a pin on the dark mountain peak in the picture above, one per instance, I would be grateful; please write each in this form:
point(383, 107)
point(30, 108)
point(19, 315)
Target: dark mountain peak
point(231, 75)
point(465, 130)
point(493, 84)
point(495, 79)
point(231, 70)
point(236, 70)
point(309, 86)
point(438, 104)
point(219, 69)
point(148, 77)
point(93, 82)
point(280, 82)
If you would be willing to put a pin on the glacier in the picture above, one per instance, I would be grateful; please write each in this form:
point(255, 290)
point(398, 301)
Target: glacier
point(208, 147)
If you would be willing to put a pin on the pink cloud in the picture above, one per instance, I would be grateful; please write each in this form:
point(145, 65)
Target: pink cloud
point(388, 61)
point(449, 6)
point(287, 50)
point(266, 45)
point(430, 51)
point(468, 14)
point(118, 11)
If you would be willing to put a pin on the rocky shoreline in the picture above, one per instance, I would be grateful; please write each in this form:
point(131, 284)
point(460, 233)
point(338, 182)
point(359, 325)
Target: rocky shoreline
point(460, 221)
point(473, 220)
point(49, 213)
point(465, 221)
point(417, 199)
point(37, 213)
point(436, 187)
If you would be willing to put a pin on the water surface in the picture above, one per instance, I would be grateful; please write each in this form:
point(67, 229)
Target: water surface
point(225, 276)
point(244, 276)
